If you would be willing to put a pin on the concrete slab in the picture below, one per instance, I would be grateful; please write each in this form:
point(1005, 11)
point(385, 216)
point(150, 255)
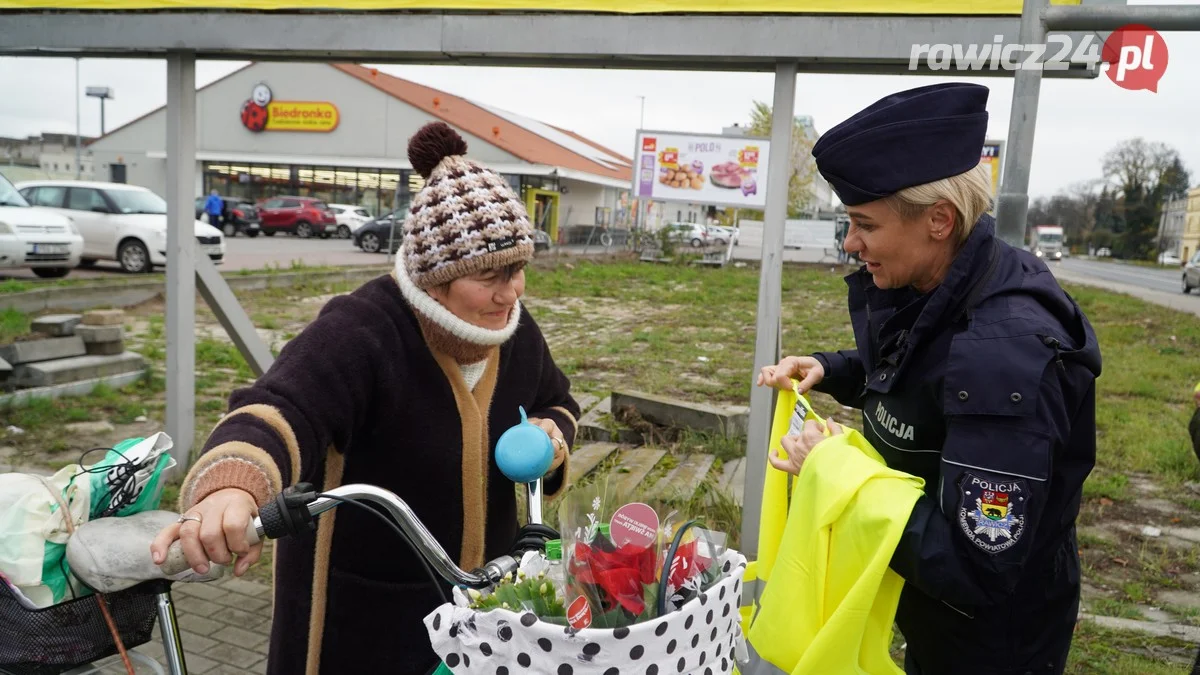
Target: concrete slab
point(671, 412)
point(733, 479)
point(80, 388)
point(595, 426)
point(685, 479)
point(634, 467)
point(91, 334)
point(586, 459)
point(47, 349)
point(104, 317)
point(5, 369)
point(61, 371)
point(56, 325)
point(105, 348)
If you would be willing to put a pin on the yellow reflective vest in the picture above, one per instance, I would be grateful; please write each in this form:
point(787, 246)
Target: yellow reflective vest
point(826, 596)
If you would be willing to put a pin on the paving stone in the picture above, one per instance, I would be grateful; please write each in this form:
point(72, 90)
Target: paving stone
point(56, 325)
point(733, 479)
point(232, 655)
point(238, 617)
point(239, 637)
point(5, 369)
point(193, 605)
point(205, 591)
point(100, 427)
point(104, 317)
point(246, 587)
point(199, 625)
point(46, 349)
point(105, 348)
point(1180, 598)
point(92, 334)
point(196, 643)
point(244, 602)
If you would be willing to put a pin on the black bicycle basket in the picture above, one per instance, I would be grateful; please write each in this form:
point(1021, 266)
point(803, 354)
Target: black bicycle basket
point(73, 633)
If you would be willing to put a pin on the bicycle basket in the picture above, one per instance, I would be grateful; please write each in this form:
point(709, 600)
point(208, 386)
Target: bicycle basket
point(60, 637)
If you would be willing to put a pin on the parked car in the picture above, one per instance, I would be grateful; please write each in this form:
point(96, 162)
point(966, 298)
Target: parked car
point(541, 240)
point(373, 235)
point(349, 218)
point(720, 234)
point(1168, 258)
point(1104, 252)
point(690, 233)
point(120, 222)
point(301, 216)
point(1191, 273)
point(44, 241)
point(240, 216)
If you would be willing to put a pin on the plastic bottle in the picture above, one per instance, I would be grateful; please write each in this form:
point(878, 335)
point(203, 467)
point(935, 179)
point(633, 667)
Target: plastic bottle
point(555, 571)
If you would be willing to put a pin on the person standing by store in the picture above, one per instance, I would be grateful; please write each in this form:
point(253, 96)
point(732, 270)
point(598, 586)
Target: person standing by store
point(214, 206)
point(975, 371)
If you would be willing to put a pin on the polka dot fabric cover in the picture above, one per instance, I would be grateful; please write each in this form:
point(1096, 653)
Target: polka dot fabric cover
point(703, 637)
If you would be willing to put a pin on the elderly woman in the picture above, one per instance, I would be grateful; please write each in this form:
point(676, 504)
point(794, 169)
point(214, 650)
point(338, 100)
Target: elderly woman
point(406, 383)
point(974, 371)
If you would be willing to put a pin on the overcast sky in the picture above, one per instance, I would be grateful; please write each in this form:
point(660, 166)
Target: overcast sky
point(1078, 120)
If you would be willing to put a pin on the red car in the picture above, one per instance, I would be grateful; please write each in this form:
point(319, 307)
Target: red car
point(302, 216)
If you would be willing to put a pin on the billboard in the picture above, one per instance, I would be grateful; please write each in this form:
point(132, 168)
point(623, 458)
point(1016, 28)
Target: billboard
point(261, 112)
point(993, 155)
point(701, 169)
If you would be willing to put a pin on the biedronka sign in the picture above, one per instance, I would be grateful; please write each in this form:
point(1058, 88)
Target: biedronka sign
point(262, 113)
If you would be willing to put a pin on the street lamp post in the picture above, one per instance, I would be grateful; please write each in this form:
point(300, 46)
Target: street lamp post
point(102, 93)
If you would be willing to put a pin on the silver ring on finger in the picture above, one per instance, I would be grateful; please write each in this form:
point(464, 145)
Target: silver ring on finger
point(187, 517)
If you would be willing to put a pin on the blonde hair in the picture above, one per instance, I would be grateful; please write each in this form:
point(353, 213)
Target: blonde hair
point(970, 193)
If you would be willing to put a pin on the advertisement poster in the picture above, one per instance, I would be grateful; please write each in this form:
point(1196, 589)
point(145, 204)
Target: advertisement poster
point(701, 169)
point(993, 152)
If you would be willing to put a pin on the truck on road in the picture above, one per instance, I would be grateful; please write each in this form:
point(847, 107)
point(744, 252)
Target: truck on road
point(1046, 241)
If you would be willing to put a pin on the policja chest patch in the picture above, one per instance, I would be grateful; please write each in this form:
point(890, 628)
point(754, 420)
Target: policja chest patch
point(992, 513)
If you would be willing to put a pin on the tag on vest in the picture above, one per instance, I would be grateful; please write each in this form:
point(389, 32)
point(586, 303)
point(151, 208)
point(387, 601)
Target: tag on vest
point(799, 414)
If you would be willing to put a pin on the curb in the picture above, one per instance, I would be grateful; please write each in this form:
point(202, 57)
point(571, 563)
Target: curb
point(127, 294)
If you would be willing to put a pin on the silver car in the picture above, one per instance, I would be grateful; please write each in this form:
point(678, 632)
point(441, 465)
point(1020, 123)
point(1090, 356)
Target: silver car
point(1191, 273)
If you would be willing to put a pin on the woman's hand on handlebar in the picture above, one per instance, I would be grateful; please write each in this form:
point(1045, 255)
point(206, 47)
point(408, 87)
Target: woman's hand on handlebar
point(808, 370)
point(556, 439)
point(219, 534)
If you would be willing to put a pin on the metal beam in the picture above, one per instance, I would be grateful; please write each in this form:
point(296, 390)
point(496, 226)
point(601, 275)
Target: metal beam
point(1012, 204)
point(181, 246)
point(828, 44)
point(237, 324)
point(770, 297)
point(1158, 17)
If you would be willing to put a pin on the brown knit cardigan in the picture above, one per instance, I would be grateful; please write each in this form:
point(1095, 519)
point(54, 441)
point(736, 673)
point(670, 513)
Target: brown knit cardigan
point(360, 397)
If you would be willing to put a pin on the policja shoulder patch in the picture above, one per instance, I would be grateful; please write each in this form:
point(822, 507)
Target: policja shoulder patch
point(992, 513)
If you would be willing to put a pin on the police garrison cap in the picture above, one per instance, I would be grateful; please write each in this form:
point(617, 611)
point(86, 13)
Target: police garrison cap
point(909, 138)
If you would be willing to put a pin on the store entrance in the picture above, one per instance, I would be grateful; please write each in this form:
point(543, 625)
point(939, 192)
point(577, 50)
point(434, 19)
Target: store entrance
point(542, 206)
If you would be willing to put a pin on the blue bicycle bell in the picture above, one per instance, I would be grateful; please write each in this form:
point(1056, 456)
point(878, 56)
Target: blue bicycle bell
point(524, 452)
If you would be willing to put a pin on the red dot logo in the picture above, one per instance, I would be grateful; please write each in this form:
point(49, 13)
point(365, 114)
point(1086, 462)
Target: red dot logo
point(1135, 57)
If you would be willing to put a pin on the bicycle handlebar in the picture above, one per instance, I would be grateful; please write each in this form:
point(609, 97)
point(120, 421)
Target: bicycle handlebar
point(293, 509)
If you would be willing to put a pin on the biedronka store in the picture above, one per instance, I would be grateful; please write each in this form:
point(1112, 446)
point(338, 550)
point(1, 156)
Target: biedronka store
point(339, 133)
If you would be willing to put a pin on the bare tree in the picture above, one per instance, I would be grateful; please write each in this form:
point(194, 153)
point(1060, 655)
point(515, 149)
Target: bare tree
point(804, 168)
point(1142, 171)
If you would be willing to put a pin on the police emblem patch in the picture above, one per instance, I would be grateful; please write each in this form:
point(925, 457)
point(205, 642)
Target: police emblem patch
point(992, 513)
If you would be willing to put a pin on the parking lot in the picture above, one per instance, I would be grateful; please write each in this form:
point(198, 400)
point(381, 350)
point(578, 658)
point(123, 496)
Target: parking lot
point(245, 253)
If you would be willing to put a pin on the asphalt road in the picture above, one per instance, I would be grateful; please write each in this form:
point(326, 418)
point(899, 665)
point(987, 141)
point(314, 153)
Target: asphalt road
point(245, 253)
point(1157, 279)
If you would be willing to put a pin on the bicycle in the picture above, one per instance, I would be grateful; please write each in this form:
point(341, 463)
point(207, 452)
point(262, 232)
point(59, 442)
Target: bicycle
point(68, 638)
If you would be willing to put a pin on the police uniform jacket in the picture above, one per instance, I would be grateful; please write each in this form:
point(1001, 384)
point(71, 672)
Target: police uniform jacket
point(984, 387)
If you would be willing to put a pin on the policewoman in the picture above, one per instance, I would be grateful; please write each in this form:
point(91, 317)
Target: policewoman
point(975, 371)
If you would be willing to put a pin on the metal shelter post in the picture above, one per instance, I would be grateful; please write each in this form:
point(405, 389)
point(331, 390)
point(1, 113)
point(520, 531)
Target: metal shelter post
point(237, 324)
point(1012, 204)
point(770, 297)
point(181, 246)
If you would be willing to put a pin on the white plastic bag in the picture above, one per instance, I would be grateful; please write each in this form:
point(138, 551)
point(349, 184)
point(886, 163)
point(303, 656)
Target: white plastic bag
point(33, 532)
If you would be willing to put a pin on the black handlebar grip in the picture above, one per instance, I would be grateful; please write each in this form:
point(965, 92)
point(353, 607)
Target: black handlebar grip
point(274, 525)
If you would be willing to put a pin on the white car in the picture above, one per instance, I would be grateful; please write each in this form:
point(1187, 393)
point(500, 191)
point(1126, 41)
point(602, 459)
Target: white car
point(349, 218)
point(1169, 258)
point(120, 222)
point(38, 239)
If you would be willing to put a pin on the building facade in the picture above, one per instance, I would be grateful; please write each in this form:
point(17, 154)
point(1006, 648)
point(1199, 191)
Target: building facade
point(1189, 241)
point(1172, 224)
point(339, 132)
point(49, 155)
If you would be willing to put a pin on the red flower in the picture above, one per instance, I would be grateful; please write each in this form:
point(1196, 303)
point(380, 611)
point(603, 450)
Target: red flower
point(620, 573)
point(687, 564)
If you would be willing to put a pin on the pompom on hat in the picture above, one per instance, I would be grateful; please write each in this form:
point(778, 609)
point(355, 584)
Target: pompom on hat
point(910, 138)
point(466, 218)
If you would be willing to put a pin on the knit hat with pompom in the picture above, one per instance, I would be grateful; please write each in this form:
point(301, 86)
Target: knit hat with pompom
point(466, 219)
